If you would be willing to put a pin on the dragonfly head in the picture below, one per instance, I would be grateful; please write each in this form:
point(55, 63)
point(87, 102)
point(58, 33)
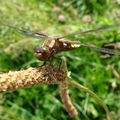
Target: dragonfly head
point(42, 53)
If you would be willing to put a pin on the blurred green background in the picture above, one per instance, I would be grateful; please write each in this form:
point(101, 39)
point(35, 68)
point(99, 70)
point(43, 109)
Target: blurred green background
point(57, 18)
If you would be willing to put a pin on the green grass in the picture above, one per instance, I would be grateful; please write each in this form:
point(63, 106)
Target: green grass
point(86, 66)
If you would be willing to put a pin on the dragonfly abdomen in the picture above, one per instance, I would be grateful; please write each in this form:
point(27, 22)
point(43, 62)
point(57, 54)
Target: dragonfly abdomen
point(62, 45)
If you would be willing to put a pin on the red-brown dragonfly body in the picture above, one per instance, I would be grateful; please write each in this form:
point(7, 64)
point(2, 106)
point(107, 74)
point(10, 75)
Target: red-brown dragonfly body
point(51, 47)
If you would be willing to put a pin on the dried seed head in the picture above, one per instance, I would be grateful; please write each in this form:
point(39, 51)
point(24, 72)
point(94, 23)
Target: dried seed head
point(48, 74)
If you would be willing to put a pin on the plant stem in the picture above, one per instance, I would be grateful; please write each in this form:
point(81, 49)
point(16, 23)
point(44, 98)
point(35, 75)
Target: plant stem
point(81, 87)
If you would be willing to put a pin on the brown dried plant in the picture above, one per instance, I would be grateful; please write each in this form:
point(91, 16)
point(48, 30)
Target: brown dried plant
point(64, 93)
point(48, 74)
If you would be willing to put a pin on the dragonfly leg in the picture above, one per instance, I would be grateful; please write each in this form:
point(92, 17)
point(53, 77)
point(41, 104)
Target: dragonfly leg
point(45, 63)
point(49, 62)
point(61, 62)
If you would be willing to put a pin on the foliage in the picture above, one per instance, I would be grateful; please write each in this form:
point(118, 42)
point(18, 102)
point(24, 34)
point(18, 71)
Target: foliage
point(86, 66)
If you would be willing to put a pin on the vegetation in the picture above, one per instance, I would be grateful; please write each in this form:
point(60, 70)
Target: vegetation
point(58, 18)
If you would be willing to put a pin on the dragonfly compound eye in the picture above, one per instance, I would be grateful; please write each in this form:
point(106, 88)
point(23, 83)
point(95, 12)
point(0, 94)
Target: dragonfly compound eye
point(42, 53)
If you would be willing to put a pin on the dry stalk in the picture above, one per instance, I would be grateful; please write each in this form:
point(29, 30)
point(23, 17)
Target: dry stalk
point(64, 93)
point(48, 74)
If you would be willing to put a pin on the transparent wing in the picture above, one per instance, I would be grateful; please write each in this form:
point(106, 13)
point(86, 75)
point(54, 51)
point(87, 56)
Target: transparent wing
point(27, 33)
point(103, 50)
point(90, 31)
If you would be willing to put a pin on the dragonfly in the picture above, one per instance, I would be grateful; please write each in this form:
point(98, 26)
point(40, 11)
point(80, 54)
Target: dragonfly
point(52, 46)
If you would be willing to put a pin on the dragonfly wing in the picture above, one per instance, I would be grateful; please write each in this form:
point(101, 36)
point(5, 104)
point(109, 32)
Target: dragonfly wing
point(108, 51)
point(93, 30)
point(103, 50)
point(26, 32)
